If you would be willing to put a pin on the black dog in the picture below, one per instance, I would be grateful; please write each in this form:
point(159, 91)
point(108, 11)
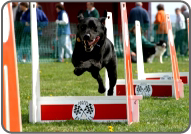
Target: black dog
point(93, 51)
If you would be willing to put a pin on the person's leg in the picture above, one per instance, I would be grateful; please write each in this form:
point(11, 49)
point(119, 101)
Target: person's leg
point(41, 47)
point(23, 47)
point(176, 42)
point(60, 48)
point(185, 36)
point(19, 54)
point(18, 46)
point(55, 42)
point(68, 46)
point(133, 59)
point(186, 41)
point(182, 43)
point(28, 48)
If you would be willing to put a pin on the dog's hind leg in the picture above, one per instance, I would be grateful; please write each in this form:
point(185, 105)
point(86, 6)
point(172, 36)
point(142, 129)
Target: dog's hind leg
point(112, 74)
point(151, 58)
point(97, 76)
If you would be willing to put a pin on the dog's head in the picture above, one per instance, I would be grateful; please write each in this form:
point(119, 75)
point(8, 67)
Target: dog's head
point(161, 45)
point(91, 31)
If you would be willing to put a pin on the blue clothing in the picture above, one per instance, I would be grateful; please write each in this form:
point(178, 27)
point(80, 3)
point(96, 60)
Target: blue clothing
point(42, 20)
point(63, 28)
point(140, 14)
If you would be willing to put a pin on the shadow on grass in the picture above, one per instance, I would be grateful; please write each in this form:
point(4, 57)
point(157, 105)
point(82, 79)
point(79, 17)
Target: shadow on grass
point(25, 118)
point(158, 98)
point(25, 121)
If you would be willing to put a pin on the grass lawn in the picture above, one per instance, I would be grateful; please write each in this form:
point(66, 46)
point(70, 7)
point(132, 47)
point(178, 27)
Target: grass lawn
point(57, 79)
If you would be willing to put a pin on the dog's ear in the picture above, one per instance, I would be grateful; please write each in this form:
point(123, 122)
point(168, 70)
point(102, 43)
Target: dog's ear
point(162, 41)
point(102, 19)
point(105, 14)
point(80, 16)
point(105, 31)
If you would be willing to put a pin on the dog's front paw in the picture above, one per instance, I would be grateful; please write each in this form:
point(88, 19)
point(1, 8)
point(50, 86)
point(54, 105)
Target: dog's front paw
point(110, 92)
point(78, 71)
point(101, 89)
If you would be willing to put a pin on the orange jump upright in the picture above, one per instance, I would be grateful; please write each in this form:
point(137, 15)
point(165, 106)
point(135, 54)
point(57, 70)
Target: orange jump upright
point(11, 98)
point(178, 85)
point(128, 66)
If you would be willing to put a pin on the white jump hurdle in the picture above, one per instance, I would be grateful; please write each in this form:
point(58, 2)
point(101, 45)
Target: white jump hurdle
point(165, 87)
point(184, 76)
point(94, 108)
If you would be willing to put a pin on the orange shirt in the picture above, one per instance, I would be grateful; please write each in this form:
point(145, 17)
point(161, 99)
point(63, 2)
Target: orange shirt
point(161, 21)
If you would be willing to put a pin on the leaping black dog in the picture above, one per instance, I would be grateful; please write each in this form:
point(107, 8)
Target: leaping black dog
point(93, 51)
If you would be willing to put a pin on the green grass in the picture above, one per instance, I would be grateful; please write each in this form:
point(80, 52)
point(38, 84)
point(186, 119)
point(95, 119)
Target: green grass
point(57, 79)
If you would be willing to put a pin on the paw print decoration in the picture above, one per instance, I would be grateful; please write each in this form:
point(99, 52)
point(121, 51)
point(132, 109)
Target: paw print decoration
point(83, 111)
point(143, 89)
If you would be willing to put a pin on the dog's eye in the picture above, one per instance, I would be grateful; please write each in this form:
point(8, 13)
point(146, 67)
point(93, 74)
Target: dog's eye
point(94, 28)
point(83, 28)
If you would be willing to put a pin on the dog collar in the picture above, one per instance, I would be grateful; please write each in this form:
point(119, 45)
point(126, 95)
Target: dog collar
point(78, 39)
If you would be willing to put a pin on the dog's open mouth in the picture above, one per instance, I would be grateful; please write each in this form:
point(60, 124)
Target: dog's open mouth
point(89, 44)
